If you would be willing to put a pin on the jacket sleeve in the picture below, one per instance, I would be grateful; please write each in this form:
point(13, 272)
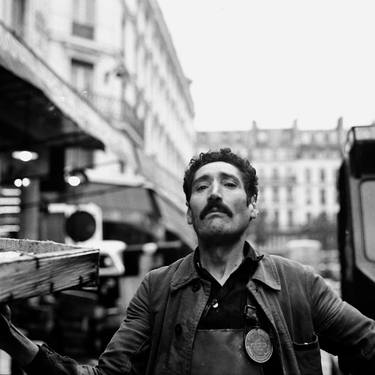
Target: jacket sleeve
point(128, 350)
point(342, 329)
point(126, 353)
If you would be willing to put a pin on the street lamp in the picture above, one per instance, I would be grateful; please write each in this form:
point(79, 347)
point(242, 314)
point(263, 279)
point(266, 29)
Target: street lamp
point(25, 155)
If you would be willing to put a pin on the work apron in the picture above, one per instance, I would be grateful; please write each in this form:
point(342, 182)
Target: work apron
point(222, 352)
point(232, 351)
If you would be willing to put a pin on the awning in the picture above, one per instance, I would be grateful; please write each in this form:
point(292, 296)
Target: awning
point(16, 57)
point(29, 119)
point(135, 205)
point(119, 203)
point(175, 220)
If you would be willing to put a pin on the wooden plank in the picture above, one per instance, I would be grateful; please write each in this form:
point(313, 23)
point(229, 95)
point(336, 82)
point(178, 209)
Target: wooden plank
point(31, 268)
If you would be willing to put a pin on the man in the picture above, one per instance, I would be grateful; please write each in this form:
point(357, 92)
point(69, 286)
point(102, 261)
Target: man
point(224, 309)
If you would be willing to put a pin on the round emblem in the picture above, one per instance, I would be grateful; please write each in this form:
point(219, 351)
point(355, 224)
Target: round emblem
point(258, 345)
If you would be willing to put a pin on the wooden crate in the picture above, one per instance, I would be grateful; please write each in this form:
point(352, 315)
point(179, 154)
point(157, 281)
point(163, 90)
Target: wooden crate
point(32, 268)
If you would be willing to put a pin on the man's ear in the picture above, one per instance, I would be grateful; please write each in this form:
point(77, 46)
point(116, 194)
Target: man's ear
point(188, 214)
point(253, 208)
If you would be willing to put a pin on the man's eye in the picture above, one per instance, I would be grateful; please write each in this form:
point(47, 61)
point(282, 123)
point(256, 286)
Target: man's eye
point(230, 184)
point(201, 187)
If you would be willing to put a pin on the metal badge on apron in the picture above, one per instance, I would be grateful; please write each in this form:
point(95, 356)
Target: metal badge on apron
point(258, 343)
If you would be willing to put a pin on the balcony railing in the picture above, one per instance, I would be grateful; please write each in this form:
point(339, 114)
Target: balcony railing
point(116, 110)
point(279, 180)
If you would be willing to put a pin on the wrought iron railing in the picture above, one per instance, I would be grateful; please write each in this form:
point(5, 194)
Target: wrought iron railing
point(116, 110)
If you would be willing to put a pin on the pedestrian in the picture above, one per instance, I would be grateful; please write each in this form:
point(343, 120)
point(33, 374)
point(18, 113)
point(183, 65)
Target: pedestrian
point(224, 309)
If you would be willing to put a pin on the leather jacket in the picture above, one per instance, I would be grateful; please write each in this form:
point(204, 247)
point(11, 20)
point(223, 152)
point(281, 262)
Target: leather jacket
point(157, 334)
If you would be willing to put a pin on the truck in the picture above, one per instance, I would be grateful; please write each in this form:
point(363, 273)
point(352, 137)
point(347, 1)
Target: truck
point(356, 219)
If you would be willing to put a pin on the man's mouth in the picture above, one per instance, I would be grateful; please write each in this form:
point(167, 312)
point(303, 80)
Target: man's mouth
point(215, 209)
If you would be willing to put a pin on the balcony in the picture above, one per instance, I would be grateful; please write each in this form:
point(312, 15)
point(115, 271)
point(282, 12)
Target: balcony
point(279, 180)
point(117, 111)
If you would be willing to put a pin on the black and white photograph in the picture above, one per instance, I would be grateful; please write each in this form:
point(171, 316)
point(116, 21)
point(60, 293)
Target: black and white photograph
point(187, 187)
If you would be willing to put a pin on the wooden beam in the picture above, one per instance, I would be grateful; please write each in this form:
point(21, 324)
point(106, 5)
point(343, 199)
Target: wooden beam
point(33, 268)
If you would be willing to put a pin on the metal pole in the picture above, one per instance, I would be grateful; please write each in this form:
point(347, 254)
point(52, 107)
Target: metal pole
point(30, 216)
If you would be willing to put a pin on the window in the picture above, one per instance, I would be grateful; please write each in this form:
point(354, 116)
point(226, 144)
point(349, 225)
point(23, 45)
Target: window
point(290, 218)
point(306, 138)
point(322, 175)
point(319, 137)
point(83, 77)
point(327, 138)
point(268, 154)
point(18, 16)
point(281, 154)
point(276, 219)
point(262, 137)
point(367, 189)
point(308, 175)
point(275, 173)
point(308, 217)
point(333, 137)
point(289, 194)
point(322, 196)
point(83, 18)
point(308, 196)
point(275, 193)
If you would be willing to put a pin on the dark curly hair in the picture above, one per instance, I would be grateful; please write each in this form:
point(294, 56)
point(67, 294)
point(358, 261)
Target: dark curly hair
point(248, 172)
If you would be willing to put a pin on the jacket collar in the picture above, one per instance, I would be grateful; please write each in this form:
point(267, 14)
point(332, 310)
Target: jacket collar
point(265, 273)
point(185, 273)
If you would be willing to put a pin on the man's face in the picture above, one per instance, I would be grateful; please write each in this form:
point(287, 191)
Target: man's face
point(218, 208)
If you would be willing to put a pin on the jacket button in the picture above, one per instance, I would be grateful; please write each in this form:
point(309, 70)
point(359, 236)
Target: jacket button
point(178, 329)
point(196, 286)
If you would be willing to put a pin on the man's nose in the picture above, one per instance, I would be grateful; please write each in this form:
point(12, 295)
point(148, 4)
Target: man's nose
point(215, 192)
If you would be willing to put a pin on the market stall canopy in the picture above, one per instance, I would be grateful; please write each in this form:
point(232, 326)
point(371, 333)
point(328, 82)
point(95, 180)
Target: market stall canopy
point(175, 220)
point(136, 205)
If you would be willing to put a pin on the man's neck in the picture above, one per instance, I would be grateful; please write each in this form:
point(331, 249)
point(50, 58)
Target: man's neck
point(221, 261)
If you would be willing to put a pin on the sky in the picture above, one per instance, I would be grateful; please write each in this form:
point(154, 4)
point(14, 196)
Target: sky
point(276, 61)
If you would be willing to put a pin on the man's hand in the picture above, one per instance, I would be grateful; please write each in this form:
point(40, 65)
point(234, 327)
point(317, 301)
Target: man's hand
point(14, 342)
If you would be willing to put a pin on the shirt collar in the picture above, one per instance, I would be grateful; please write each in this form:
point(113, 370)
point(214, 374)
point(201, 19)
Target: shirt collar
point(250, 256)
point(265, 273)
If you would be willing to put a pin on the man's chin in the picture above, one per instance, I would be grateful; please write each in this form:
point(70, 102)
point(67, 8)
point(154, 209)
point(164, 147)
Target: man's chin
point(219, 237)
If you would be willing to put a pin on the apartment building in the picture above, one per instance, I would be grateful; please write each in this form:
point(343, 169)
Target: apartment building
point(119, 55)
point(296, 169)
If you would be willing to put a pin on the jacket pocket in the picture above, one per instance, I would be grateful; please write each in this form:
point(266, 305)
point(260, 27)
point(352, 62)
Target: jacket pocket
point(308, 356)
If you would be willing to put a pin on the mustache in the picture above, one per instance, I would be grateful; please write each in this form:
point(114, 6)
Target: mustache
point(220, 207)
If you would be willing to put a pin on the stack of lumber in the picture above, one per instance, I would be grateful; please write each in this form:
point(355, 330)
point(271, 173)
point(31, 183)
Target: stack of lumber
point(33, 268)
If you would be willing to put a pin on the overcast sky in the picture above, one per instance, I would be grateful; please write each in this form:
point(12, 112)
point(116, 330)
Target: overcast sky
point(276, 61)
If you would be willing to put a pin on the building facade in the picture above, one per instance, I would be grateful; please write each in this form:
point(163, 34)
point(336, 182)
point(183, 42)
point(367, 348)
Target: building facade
point(117, 59)
point(297, 174)
point(119, 55)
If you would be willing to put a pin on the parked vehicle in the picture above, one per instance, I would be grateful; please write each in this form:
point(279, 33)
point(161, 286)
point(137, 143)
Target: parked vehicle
point(356, 220)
